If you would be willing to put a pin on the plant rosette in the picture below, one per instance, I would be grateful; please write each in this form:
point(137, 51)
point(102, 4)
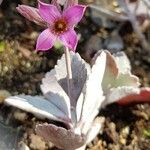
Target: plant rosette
point(109, 80)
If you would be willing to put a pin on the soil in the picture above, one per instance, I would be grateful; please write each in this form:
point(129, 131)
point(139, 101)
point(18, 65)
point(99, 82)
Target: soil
point(21, 71)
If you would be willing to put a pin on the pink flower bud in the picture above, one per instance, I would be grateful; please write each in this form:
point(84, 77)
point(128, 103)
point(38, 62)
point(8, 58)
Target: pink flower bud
point(31, 14)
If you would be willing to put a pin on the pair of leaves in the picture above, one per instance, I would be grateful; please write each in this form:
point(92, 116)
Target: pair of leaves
point(119, 85)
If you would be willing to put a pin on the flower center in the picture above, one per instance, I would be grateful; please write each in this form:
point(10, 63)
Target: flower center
point(60, 26)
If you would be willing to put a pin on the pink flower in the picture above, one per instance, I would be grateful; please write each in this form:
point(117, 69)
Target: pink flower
point(60, 24)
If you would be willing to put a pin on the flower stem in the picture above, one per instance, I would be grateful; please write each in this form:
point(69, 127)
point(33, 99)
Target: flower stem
point(69, 84)
point(69, 71)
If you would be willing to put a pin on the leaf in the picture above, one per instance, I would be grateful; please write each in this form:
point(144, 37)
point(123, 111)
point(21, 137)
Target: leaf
point(141, 97)
point(96, 128)
point(54, 93)
point(116, 94)
point(117, 72)
point(94, 94)
point(122, 62)
point(111, 72)
point(38, 106)
point(79, 106)
point(62, 138)
point(126, 80)
point(79, 74)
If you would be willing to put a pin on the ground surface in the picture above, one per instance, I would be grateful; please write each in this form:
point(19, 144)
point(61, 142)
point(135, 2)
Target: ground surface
point(21, 70)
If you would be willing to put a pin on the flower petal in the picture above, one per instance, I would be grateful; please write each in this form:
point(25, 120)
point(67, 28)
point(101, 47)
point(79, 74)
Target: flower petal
point(45, 40)
point(74, 14)
point(48, 12)
point(69, 39)
point(31, 14)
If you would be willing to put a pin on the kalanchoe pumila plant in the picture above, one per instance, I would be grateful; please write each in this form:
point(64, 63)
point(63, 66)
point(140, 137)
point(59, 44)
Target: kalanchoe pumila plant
point(78, 113)
point(60, 23)
point(108, 80)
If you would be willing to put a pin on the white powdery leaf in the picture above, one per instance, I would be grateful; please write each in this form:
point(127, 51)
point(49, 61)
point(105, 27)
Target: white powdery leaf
point(94, 94)
point(91, 129)
point(115, 94)
point(79, 74)
point(61, 137)
point(111, 72)
point(123, 62)
point(79, 106)
point(117, 72)
point(141, 97)
point(60, 69)
point(54, 92)
point(38, 106)
point(96, 128)
point(126, 79)
point(49, 82)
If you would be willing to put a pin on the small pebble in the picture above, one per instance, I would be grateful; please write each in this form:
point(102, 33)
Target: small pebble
point(3, 95)
point(21, 116)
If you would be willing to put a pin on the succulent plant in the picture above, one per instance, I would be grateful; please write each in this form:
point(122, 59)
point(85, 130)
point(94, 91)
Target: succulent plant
point(108, 80)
